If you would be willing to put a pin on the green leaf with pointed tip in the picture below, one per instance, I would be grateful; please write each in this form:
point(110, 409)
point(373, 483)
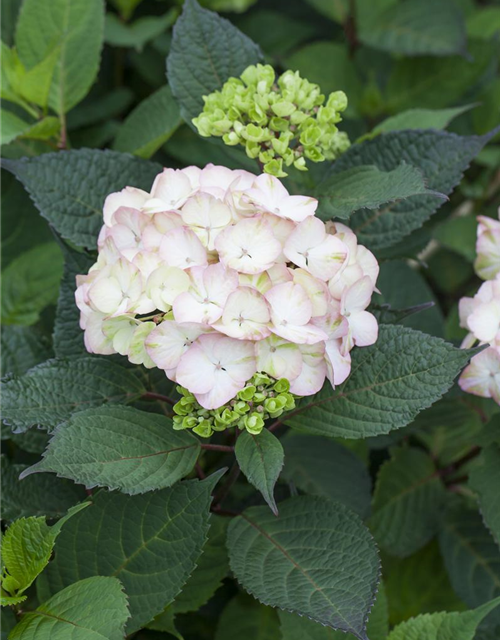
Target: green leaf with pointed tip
point(484, 480)
point(261, 459)
point(51, 392)
point(91, 609)
point(76, 28)
point(119, 448)
point(471, 557)
point(294, 627)
point(149, 125)
point(212, 567)
point(420, 119)
point(416, 27)
point(41, 496)
point(441, 157)
point(383, 392)
point(69, 188)
point(366, 187)
point(443, 626)
point(12, 126)
point(26, 549)
point(30, 283)
point(323, 467)
point(206, 51)
point(316, 559)
point(407, 502)
point(150, 542)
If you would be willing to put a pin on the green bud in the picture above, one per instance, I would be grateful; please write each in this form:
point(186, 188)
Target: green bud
point(283, 108)
point(310, 136)
point(266, 156)
point(300, 164)
point(275, 168)
point(279, 124)
point(177, 423)
point(260, 379)
point(275, 404)
point(260, 396)
point(252, 149)
point(314, 154)
point(231, 139)
point(188, 422)
point(254, 423)
point(253, 133)
point(182, 408)
point(247, 392)
point(241, 407)
point(337, 100)
point(259, 73)
point(204, 429)
point(298, 117)
point(282, 385)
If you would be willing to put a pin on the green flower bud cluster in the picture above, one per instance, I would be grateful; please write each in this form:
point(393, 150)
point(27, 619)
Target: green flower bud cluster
point(281, 123)
point(263, 397)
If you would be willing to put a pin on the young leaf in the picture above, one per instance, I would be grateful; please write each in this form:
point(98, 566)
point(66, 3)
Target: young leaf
point(149, 125)
point(50, 392)
point(23, 348)
point(244, 617)
point(26, 549)
point(206, 50)
point(383, 393)
point(443, 625)
point(12, 126)
point(42, 496)
point(76, 28)
point(405, 28)
point(366, 187)
point(30, 283)
point(150, 542)
point(316, 559)
point(119, 448)
point(471, 557)
point(407, 502)
point(442, 157)
point(69, 188)
point(261, 459)
point(91, 609)
point(321, 466)
point(485, 480)
point(68, 335)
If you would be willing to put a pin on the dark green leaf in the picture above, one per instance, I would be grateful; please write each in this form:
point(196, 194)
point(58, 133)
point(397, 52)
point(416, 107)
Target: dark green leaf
point(23, 348)
point(50, 392)
point(321, 466)
point(150, 542)
point(119, 448)
point(244, 617)
point(69, 188)
point(485, 481)
point(383, 393)
point(471, 557)
point(366, 187)
point(442, 157)
point(206, 50)
point(316, 559)
point(261, 459)
point(407, 502)
point(149, 125)
point(420, 119)
point(42, 496)
point(138, 33)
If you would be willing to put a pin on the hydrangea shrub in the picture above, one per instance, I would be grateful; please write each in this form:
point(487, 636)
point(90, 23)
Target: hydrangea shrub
point(251, 315)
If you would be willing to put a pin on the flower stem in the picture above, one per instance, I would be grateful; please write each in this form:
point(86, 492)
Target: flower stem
point(217, 447)
point(150, 395)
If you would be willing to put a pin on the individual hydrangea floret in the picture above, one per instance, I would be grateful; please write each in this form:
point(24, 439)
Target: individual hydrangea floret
point(281, 123)
point(233, 288)
point(480, 315)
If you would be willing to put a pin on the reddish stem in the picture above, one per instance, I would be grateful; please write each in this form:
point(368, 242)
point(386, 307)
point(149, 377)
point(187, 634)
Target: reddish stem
point(217, 447)
point(150, 395)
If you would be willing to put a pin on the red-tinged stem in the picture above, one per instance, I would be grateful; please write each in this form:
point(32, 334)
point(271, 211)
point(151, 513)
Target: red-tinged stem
point(222, 494)
point(454, 466)
point(199, 471)
point(150, 395)
point(217, 447)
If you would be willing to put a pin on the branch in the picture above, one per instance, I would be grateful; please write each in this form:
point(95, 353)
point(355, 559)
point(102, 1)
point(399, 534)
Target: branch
point(150, 395)
point(217, 447)
point(455, 466)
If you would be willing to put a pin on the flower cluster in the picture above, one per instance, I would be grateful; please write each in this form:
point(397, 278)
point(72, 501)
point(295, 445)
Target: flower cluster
point(280, 123)
point(480, 315)
point(218, 275)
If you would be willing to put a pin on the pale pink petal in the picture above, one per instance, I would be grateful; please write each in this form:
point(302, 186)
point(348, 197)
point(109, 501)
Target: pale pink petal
point(169, 341)
point(224, 390)
point(482, 376)
point(207, 216)
point(315, 289)
point(278, 358)
point(161, 224)
point(246, 315)
point(364, 328)
point(129, 197)
point(165, 284)
point(94, 339)
point(181, 248)
point(338, 362)
point(357, 297)
point(195, 371)
point(249, 246)
point(484, 322)
point(313, 373)
point(172, 187)
point(290, 304)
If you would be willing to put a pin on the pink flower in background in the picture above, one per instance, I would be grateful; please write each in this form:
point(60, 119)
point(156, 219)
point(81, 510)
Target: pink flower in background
point(480, 315)
point(216, 275)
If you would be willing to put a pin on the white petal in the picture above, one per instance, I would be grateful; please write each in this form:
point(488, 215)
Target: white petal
point(357, 297)
point(246, 315)
point(207, 216)
point(290, 304)
point(278, 358)
point(364, 328)
point(195, 371)
point(315, 289)
point(312, 376)
point(172, 187)
point(338, 361)
point(169, 341)
point(484, 322)
point(223, 390)
point(165, 284)
point(128, 197)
